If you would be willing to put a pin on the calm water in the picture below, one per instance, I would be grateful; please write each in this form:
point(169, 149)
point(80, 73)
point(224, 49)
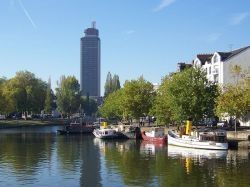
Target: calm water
point(40, 157)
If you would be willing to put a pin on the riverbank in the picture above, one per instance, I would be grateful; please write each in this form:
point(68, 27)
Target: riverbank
point(4, 124)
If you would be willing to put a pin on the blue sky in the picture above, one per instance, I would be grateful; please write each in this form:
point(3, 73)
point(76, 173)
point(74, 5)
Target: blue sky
point(138, 37)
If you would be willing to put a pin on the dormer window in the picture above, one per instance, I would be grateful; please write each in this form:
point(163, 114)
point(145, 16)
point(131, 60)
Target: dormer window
point(197, 63)
point(216, 58)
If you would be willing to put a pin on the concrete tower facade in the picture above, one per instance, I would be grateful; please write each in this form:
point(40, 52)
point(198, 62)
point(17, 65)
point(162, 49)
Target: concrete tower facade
point(90, 62)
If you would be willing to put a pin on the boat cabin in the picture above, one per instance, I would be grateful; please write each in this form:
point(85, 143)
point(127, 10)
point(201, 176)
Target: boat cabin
point(157, 132)
point(105, 132)
point(217, 136)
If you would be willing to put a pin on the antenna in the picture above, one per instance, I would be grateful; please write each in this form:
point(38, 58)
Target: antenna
point(93, 24)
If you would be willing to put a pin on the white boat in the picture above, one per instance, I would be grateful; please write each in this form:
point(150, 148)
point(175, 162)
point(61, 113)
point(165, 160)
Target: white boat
point(204, 139)
point(108, 133)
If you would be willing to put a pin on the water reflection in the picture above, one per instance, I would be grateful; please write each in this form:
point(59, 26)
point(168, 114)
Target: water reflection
point(124, 158)
point(23, 155)
point(147, 164)
point(46, 159)
point(91, 166)
point(150, 148)
point(198, 154)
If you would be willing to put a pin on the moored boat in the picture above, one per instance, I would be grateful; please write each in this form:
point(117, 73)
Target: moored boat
point(76, 128)
point(108, 133)
point(203, 139)
point(132, 133)
point(105, 132)
point(156, 135)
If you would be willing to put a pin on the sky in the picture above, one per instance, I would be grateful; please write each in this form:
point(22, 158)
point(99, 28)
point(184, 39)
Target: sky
point(138, 37)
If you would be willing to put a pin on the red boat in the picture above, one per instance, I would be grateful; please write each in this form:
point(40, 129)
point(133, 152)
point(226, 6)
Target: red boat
point(157, 135)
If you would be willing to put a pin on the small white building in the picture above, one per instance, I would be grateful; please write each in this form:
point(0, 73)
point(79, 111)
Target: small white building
point(156, 86)
point(218, 66)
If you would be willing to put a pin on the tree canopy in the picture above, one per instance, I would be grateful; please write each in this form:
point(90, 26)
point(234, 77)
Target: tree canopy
point(112, 84)
point(49, 98)
point(234, 100)
point(185, 95)
point(112, 107)
point(24, 93)
point(2, 98)
point(68, 95)
point(138, 98)
point(161, 107)
point(132, 101)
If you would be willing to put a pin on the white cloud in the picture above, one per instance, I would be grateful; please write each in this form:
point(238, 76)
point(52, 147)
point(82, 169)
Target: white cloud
point(27, 14)
point(238, 18)
point(163, 4)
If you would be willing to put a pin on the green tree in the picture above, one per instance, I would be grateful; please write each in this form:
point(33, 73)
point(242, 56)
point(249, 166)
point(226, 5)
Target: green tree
point(138, 97)
point(234, 100)
point(2, 80)
point(161, 105)
point(236, 70)
point(108, 85)
point(112, 84)
point(49, 98)
point(185, 95)
point(112, 107)
point(68, 95)
point(2, 98)
point(24, 93)
point(115, 83)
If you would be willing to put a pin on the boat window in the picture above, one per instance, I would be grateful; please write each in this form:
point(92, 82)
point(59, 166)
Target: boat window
point(106, 132)
point(207, 138)
point(221, 139)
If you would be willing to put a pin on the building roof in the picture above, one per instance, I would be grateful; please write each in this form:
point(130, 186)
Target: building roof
point(224, 55)
point(204, 58)
point(227, 55)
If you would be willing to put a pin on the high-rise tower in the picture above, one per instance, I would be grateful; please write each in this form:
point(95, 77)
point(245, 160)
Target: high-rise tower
point(90, 62)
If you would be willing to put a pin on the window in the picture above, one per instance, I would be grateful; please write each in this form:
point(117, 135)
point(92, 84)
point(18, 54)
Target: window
point(216, 71)
point(216, 78)
point(216, 59)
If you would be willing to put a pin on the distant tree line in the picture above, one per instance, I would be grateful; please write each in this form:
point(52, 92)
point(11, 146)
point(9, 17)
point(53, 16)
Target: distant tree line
point(22, 93)
point(182, 95)
point(25, 93)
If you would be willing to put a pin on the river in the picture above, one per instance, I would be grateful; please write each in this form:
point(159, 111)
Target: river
point(37, 156)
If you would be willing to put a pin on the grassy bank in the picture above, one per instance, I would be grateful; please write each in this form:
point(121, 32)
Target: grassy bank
point(24, 123)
